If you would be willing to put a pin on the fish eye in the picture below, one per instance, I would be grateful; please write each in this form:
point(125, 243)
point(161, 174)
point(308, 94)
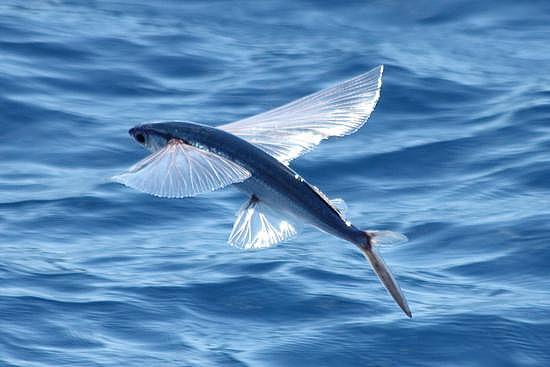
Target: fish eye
point(140, 138)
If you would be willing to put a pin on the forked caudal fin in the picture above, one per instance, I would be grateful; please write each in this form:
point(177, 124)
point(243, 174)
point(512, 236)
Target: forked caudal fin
point(381, 269)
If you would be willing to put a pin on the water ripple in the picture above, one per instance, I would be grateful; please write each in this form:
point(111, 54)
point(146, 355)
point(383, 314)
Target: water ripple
point(455, 156)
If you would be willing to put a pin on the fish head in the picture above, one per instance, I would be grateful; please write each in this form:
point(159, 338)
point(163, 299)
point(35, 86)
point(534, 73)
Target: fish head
point(150, 138)
point(155, 136)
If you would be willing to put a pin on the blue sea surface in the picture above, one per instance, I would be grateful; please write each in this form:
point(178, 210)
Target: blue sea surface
point(456, 156)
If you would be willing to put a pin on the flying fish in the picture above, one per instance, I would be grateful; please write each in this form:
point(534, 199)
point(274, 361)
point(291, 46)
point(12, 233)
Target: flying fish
point(254, 155)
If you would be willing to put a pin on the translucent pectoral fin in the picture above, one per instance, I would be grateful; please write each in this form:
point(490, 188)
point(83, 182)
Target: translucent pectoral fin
point(292, 129)
point(259, 226)
point(180, 170)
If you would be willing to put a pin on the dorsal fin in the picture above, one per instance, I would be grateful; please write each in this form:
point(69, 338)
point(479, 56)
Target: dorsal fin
point(340, 205)
point(337, 204)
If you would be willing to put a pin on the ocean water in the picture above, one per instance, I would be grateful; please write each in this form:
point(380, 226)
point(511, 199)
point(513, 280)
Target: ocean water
point(456, 156)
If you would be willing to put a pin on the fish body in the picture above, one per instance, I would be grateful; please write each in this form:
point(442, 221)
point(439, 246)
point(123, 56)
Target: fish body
point(272, 182)
point(254, 154)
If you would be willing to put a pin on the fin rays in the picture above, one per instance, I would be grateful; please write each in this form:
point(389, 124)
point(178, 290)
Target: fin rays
point(296, 127)
point(179, 170)
point(259, 226)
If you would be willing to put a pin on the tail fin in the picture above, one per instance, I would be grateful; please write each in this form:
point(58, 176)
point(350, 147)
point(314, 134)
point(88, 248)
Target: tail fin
point(383, 272)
